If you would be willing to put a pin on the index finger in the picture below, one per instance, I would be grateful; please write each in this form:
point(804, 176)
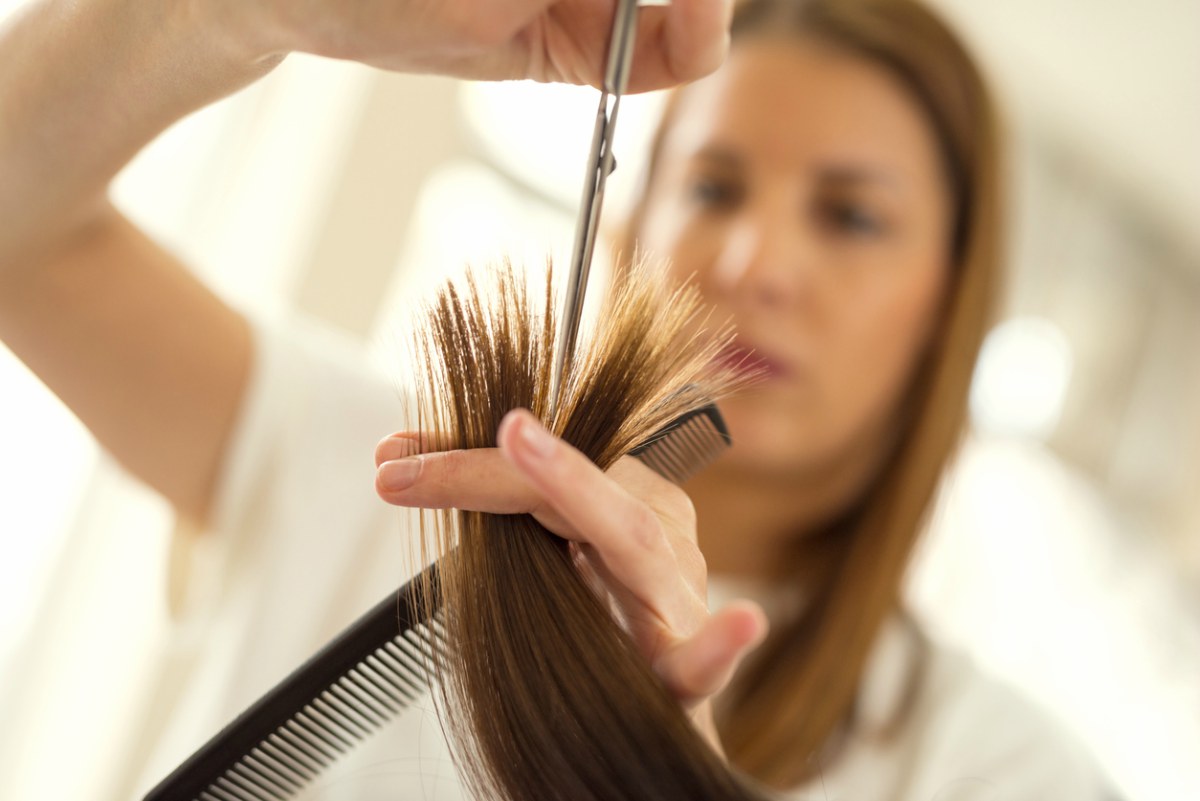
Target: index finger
point(629, 537)
point(567, 493)
point(479, 480)
point(679, 42)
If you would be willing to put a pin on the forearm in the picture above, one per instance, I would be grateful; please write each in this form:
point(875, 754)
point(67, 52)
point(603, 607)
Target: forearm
point(84, 85)
point(109, 321)
point(149, 359)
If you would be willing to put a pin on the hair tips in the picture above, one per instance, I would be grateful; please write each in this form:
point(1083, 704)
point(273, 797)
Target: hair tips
point(544, 695)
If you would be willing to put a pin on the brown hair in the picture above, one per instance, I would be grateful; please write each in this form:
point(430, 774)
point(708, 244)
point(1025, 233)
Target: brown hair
point(782, 718)
point(547, 697)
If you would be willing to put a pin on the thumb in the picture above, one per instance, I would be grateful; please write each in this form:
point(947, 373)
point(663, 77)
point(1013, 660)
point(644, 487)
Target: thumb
point(701, 665)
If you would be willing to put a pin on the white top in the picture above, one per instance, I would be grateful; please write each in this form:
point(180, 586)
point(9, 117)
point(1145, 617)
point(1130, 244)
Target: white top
point(301, 546)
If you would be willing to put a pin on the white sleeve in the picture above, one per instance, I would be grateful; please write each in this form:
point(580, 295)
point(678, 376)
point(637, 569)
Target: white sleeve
point(964, 737)
point(993, 744)
point(294, 499)
point(313, 411)
point(298, 547)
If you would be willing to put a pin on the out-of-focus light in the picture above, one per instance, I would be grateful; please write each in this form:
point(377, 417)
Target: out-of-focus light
point(9, 6)
point(1021, 381)
point(539, 131)
point(46, 460)
point(543, 132)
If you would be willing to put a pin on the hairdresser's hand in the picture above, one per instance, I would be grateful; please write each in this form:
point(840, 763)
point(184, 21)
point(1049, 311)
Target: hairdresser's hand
point(547, 40)
point(635, 536)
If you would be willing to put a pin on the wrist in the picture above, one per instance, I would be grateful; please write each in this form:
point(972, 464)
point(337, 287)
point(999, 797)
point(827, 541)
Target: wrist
point(239, 32)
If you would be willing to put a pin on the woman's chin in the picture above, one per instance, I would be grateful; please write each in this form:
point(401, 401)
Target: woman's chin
point(768, 443)
point(761, 455)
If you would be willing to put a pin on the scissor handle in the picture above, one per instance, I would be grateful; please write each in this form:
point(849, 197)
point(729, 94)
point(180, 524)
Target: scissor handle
point(600, 164)
point(620, 47)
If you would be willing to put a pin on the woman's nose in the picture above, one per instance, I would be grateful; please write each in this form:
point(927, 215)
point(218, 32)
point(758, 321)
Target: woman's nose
point(764, 260)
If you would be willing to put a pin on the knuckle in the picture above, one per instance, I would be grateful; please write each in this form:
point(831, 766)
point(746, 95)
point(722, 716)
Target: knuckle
point(479, 27)
point(450, 466)
point(696, 567)
point(665, 497)
point(632, 473)
point(646, 527)
point(545, 514)
point(676, 509)
point(681, 508)
point(624, 540)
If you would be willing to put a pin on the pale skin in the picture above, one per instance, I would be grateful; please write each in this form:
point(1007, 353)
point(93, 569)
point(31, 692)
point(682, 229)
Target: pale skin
point(155, 365)
point(109, 320)
point(637, 533)
point(800, 188)
point(113, 323)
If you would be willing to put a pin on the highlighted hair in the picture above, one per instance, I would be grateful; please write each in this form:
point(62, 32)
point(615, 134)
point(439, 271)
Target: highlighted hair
point(545, 695)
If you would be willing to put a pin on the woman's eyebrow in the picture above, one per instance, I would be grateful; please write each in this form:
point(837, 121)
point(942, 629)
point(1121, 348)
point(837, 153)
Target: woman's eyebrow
point(718, 155)
point(836, 173)
point(856, 174)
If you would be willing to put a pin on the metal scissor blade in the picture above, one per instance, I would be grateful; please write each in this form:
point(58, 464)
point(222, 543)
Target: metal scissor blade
point(600, 164)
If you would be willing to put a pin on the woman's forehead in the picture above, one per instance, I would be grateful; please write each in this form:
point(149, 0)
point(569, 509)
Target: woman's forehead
point(793, 103)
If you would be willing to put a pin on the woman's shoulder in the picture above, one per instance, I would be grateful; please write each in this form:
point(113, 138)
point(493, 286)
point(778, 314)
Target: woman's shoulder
point(961, 698)
point(934, 724)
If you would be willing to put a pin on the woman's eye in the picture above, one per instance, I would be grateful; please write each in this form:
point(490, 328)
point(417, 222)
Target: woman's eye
point(853, 219)
point(712, 192)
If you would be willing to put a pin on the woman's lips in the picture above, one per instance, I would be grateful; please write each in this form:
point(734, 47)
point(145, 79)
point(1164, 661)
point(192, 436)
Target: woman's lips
point(747, 362)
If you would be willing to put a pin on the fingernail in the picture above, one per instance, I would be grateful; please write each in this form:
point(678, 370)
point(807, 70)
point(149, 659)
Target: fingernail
point(399, 474)
point(537, 439)
point(397, 446)
point(407, 441)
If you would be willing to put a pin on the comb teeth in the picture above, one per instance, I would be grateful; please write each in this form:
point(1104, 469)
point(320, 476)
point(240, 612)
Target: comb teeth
point(371, 672)
point(290, 736)
point(687, 445)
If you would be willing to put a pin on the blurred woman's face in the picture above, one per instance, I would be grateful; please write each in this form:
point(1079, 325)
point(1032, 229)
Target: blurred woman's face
point(801, 188)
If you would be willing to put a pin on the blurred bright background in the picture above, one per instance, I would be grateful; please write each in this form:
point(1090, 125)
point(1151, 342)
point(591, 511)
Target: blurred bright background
point(1065, 553)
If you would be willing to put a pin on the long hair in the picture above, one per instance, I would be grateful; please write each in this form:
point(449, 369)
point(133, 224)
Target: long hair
point(544, 693)
point(794, 703)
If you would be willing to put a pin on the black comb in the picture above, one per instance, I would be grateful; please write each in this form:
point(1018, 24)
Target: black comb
point(686, 445)
point(371, 672)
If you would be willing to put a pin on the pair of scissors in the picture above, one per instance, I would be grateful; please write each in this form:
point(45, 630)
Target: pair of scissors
point(600, 164)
